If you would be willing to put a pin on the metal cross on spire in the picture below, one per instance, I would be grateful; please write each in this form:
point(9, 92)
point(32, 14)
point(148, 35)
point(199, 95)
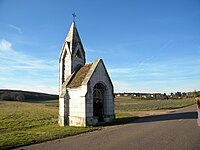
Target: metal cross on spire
point(74, 15)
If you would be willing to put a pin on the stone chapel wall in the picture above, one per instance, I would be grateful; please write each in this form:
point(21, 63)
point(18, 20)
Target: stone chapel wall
point(100, 76)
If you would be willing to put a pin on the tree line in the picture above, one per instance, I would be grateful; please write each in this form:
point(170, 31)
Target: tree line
point(17, 95)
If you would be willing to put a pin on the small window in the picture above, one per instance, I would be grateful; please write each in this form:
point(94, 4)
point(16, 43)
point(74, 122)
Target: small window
point(63, 66)
point(63, 70)
point(65, 52)
point(78, 54)
point(68, 43)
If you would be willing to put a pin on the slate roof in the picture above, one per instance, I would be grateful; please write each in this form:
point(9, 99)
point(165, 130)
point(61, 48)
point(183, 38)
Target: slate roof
point(80, 75)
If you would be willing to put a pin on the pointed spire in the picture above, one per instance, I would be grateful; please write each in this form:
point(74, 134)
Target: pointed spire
point(73, 38)
point(71, 32)
point(73, 35)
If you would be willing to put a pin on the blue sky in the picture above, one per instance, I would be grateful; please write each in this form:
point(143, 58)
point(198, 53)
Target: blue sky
point(147, 46)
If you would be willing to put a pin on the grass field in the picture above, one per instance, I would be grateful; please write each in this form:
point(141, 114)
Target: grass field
point(125, 106)
point(128, 104)
point(23, 123)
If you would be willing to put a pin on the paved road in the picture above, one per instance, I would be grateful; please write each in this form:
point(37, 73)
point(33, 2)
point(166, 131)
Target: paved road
point(177, 130)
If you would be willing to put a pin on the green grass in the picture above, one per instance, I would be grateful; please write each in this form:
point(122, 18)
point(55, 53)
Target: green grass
point(26, 123)
point(23, 123)
point(127, 104)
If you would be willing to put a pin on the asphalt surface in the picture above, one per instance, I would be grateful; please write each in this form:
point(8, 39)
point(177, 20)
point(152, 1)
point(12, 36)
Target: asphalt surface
point(177, 130)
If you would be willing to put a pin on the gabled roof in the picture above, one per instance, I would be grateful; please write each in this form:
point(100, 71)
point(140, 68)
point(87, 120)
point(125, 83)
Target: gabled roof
point(83, 75)
point(92, 70)
point(80, 75)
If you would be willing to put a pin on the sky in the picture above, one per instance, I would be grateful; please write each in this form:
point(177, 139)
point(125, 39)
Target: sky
point(147, 46)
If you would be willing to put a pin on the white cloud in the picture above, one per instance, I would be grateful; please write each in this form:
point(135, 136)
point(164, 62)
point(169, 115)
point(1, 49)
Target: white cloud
point(123, 87)
point(19, 60)
point(146, 60)
point(16, 28)
point(5, 46)
point(91, 50)
point(53, 46)
point(25, 72)
point(120, 70)
point(33, 88)
point(164, 76)
point(3, 79)
point(19, 70)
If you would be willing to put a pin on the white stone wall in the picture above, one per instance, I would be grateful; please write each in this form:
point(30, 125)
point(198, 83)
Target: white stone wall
point(77, 107)
point(65, 59)
point(63, 110)
point(60, 77)
point(61, 120)
point(68, 66)
point(100, 76)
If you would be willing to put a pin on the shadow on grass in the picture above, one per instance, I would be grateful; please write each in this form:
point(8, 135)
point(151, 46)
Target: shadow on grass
point(165, 117)
point(156, 118)
point(118, 121)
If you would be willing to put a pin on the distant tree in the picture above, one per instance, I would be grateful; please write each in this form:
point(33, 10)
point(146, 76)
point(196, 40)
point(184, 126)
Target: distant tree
point(13, 95)
point(6, 96)
point(165, 96)
point(20, 97)
point(184, 94)
point(178, 94)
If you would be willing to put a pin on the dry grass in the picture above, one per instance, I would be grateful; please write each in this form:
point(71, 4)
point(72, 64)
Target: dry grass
point(26, 123)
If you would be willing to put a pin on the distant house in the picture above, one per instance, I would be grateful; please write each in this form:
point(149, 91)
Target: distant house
point(118, 95)
point(125, 94)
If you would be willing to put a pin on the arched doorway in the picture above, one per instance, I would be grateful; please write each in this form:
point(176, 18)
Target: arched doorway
point(98, 101)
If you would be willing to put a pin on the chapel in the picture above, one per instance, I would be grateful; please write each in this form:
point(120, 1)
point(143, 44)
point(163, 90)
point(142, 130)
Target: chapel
point(86, 95)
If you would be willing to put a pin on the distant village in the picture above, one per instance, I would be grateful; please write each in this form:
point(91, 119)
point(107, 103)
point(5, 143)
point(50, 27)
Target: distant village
point(160, 96)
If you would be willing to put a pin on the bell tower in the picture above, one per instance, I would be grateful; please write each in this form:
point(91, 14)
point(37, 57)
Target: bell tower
point(72, 54)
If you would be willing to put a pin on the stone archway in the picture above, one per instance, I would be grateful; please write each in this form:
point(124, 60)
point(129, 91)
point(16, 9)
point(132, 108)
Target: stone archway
point(99, 101)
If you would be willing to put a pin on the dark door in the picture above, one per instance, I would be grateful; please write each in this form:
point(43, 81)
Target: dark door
point(98, 109)
point(98, 102)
